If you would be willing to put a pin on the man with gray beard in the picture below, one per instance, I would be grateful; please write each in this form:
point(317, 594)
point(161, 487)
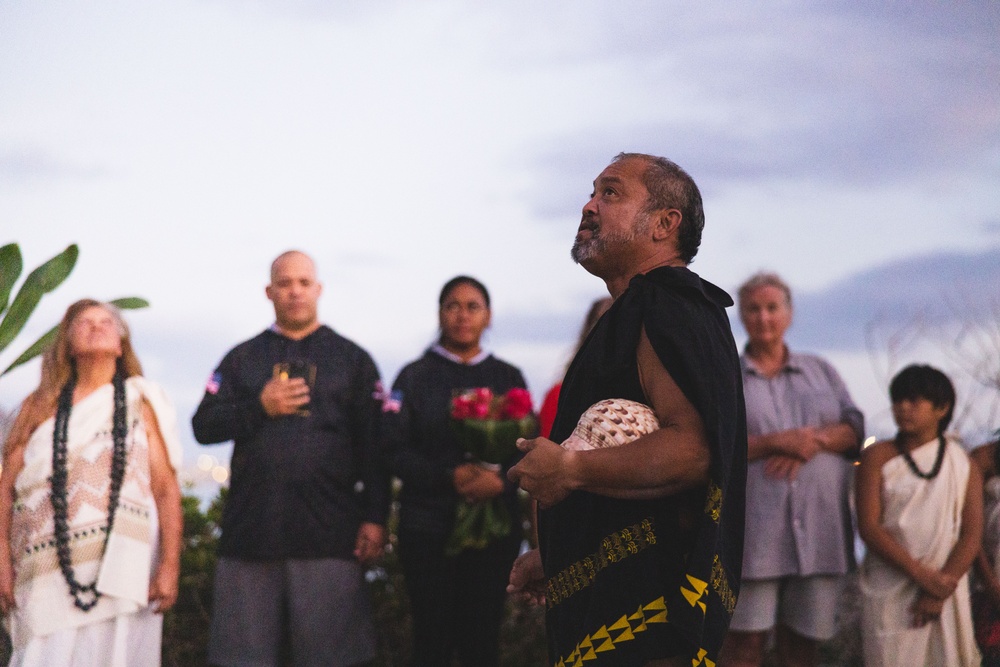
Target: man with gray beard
point(640, 546)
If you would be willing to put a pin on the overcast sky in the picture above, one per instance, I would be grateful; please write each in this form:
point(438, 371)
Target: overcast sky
point(853, 149)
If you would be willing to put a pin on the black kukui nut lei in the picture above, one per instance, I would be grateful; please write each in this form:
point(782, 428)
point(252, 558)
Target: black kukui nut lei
point(84, 596)
point(935, 469)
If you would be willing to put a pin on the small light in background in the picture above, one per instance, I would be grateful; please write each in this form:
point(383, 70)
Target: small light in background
point(220, 474)
point(206, 462)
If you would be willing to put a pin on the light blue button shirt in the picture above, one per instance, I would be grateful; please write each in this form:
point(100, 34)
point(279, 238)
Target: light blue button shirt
point(802, 527)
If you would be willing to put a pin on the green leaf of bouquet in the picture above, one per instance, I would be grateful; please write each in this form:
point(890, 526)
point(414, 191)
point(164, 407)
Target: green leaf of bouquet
point(34, 350)
point(39, 282)
point(11, 266)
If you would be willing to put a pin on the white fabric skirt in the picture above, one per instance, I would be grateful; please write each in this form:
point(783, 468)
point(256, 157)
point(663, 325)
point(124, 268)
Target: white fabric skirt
point(127, 640)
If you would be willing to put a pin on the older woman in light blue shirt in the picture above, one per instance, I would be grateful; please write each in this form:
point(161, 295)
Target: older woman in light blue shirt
point(803, 429)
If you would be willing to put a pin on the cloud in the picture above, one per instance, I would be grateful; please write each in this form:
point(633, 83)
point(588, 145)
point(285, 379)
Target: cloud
point(929, 292)
point(535, 327)
point(314, 10)
point(18, 165)
point(878, 98)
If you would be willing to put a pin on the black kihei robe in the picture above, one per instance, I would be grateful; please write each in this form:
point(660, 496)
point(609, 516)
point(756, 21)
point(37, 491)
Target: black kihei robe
point(631, 581)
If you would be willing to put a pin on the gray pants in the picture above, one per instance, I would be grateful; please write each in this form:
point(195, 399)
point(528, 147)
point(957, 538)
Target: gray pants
point(320, 609)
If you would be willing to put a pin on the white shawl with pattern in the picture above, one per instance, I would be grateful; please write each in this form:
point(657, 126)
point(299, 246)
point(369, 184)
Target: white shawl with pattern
point(44, 603)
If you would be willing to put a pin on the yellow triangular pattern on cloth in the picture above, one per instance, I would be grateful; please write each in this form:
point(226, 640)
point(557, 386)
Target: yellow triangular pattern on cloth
point(602, 641)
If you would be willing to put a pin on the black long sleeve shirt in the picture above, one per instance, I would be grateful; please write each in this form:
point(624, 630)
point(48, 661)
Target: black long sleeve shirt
point(301, 485)
point(424, 448)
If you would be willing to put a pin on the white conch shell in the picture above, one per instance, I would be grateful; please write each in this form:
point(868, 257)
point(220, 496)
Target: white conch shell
point(610, 423)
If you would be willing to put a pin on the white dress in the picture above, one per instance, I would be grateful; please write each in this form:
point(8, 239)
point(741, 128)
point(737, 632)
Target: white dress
point(925, 517)
point(46, 628)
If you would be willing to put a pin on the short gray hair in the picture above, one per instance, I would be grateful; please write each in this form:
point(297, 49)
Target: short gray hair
point(669, 186)
point(765, 279)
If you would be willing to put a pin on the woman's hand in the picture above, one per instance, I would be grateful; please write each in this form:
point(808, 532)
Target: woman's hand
point(163, 588)
point(476, 484)
point(805, 442)
point(782, 467)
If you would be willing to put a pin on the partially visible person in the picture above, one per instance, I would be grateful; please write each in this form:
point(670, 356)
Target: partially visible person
point(547, 412)
point(920, 514)
point(803, 430)
point(457, 600)
point(90, 511)
point(986, 592)
point(309, 494)
point(640, 544)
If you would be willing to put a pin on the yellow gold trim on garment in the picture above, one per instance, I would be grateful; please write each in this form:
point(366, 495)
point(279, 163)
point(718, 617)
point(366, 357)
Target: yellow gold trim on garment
point(694, 597)
point(700, 659)
point(713, 501)
point(609, 636)
point(720, 584)
point(614, 549)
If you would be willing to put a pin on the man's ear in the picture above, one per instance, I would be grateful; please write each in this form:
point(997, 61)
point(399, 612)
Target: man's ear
point(666, 223)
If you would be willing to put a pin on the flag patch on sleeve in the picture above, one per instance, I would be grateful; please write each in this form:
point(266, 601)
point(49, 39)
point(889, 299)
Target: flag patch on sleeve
point(392, 401)
point(212, 386)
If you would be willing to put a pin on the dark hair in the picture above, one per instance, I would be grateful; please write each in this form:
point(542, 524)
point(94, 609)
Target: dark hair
point(669, 186)
point(463, 280)
point(925, 382)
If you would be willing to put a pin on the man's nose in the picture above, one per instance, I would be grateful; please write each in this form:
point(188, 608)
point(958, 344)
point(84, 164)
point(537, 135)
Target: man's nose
point(590, 208)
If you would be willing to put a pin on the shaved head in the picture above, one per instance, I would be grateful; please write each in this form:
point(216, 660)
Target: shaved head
point(294, 291)
point(280, 260)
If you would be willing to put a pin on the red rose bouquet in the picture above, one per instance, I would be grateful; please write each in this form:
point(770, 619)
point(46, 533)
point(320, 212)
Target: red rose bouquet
point(488, 427)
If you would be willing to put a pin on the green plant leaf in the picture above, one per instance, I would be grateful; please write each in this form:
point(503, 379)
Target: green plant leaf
point(130, 303)
point(34, 350)
point(11, 266)
point(39, 282)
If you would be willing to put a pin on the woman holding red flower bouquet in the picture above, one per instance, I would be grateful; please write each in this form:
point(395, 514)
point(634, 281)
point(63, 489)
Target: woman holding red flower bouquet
point(448, 420)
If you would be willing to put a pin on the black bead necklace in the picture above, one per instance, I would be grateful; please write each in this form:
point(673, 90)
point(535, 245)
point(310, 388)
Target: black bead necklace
point(84, 596)
point(935, 469)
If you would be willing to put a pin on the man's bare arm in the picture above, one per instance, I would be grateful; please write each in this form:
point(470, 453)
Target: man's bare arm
point(670, 460)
